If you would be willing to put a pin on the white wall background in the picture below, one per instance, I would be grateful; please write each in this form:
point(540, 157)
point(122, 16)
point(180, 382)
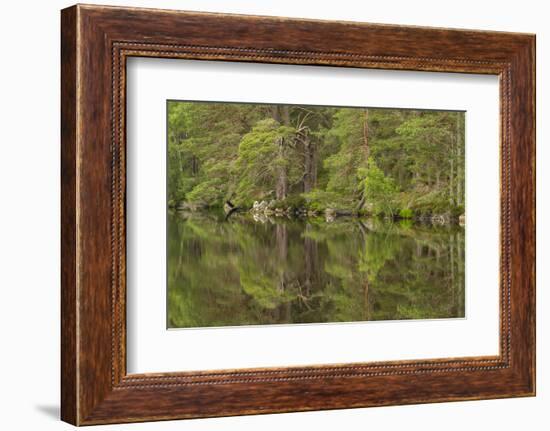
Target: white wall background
point(29, 214)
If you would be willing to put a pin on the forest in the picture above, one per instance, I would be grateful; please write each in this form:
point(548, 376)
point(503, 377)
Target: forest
point(311, 160)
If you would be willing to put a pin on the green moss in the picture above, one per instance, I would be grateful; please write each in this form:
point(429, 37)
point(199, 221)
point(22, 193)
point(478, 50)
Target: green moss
point(406, 213)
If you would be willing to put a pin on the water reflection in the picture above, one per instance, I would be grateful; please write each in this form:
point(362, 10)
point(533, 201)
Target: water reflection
point(279, 271)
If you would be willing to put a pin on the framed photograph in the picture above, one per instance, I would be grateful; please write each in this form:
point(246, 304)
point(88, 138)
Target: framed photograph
point(265, 215)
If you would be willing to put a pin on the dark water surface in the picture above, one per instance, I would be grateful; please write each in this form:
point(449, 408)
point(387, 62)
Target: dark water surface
point(280, 271)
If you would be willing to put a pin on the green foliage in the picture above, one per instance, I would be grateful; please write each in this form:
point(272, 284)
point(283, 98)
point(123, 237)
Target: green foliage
point(379, 189)
point(343, 165)
point(375, 161)
point(262, 290)
point(209, 192)
point(406, 213)
point(262, 153)
point(318, 200)
point(425, 201)
point(292, 201)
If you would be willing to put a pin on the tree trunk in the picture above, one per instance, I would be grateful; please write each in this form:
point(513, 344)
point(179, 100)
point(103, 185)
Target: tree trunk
point(419, 252)
point(361, 203)
point(452, 263)
point(311, 257)
point(366, 134)
point(194, 165)
point(282, 176)
point(452, 158)
point(281, 241)
point(460, 162)
point(362, 197)
point(310, 165)
point(285, 114)
point(366, 302)
point(460, 258)
point(275, 114)
point(281, 114)
point(180, 160)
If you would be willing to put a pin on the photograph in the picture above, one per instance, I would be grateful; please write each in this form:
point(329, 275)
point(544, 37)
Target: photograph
point(293, 214)
point(277, 210)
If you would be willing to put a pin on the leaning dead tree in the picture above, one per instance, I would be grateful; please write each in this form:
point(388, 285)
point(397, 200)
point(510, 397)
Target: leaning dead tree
point(229, 209)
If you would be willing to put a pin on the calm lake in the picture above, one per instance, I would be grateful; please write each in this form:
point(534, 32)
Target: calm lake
point(279, 271)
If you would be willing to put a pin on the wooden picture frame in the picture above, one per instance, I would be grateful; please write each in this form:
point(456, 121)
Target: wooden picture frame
point(95, 43)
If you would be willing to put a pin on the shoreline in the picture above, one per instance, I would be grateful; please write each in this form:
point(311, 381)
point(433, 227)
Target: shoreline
point(329, 215)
